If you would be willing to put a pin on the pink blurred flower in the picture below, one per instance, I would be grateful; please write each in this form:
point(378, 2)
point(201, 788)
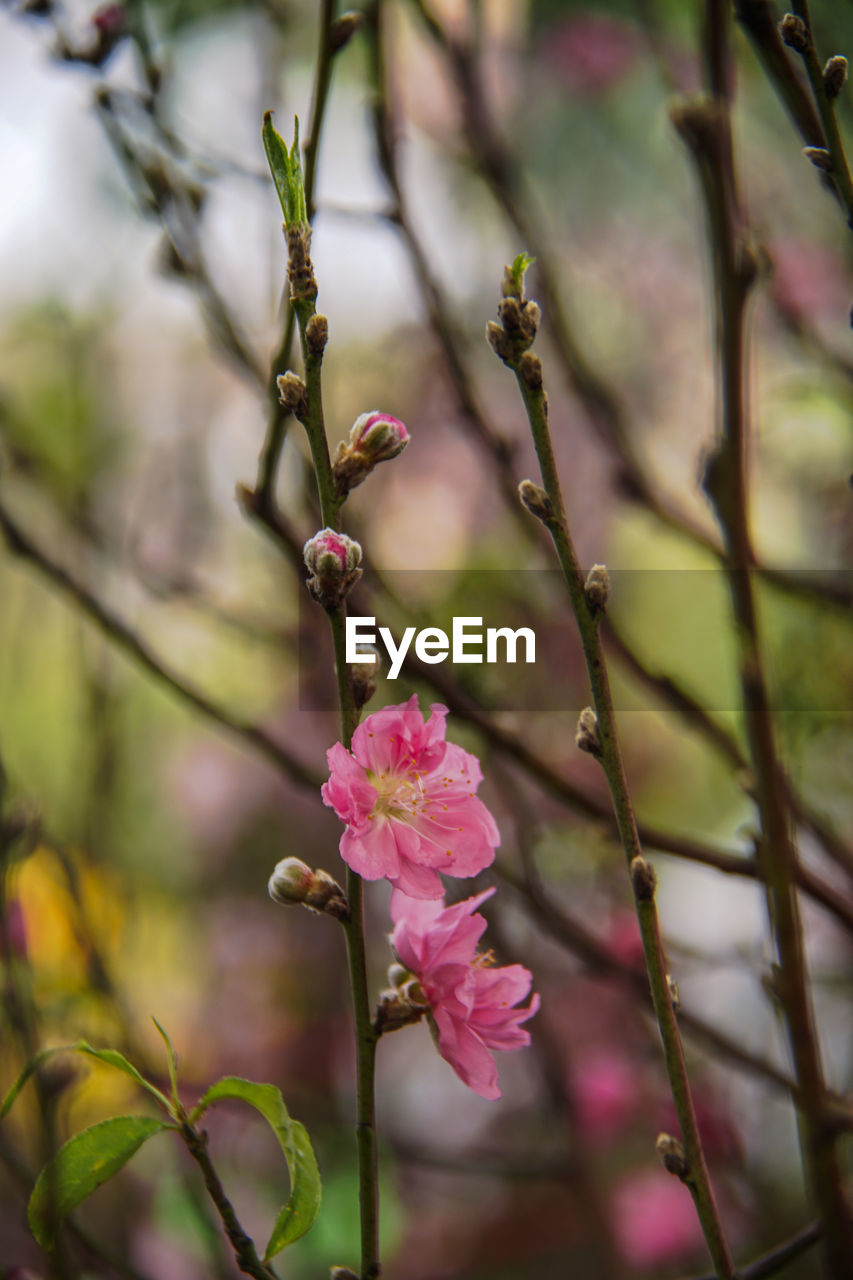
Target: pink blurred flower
point(407, 797)
point(809, 280)
point(592, 51)
point(654, 1219)
point(605, 1092)
point(471, 1004)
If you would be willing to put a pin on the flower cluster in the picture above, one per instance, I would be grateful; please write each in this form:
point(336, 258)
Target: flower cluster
point(408, 798)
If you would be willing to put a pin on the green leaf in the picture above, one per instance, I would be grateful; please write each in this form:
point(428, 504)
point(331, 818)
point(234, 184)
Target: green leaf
point(110, 1056)
point(113, 1058)
point(30, 1069)
point(519, 268)
point(299, 1213)
point(286, 169)
point(173, 1065)
point(80, 1166)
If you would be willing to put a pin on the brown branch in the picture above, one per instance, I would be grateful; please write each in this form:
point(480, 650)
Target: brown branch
point(705, 127)
point(118, 631)
point(778, 1257)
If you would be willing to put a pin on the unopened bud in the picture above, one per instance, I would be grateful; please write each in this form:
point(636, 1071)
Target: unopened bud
point(674, 993)
point(520, 321)
point(374, 437)
point(794, 32)
point(363, 675)
point(397, 975)
point(673, 1155)
point(835, 75)
point(343, 29)
point(317, 334)
point(586, 734)
point(530, 371)
point(333, 560)
point(293, 393)
point(499, 342)
point(342, 1273)
point(290, 882)
point(819, 157)
point(534, 497)
point(295, 884)
point(697, 121)
point(597, 588)
point(643, 879)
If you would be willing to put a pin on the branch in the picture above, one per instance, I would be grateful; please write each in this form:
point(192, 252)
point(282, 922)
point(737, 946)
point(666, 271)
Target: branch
point(705, 127)
point(118, 631)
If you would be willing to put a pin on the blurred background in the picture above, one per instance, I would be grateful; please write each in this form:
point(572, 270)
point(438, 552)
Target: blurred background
point(143, 265)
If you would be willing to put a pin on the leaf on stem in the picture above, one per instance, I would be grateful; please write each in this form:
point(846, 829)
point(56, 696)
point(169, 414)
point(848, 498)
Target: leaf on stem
point(298, 1214)
point(110, 1056)
point(81, 1166)
point(286, 169)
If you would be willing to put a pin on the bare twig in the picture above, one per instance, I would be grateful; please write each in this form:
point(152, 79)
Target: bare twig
point(20, 544)
point(705, 127)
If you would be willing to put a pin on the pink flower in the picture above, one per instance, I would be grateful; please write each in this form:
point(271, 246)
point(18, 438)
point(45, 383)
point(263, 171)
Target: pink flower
point(407, 797)
point(471, 1003)
point(374, 437)
point(379, 436)
point(654, 1220)
point(605, 1092)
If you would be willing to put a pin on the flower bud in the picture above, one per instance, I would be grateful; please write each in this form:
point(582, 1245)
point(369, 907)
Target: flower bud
point(343, 29)
point(397, 975)
point(293, 393)
point(819, 157)
point(534, 497)
point(363, 675)
point(295, 884)
point(374, 437)
point(498, 341)
point(586, 735)
point(597, 588)
point(794, 32)
point(332, 559)
point(673, 1155)
point(643, 879)
point(317, 334)
point(530, 371)
point(835, 75)
point(290, 882)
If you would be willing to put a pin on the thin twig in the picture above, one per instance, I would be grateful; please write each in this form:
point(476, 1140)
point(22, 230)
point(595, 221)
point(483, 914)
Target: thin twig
point(245, 1253)
point(118, 631)
point(528, 372)
point(778, 1257)
point(706, 129)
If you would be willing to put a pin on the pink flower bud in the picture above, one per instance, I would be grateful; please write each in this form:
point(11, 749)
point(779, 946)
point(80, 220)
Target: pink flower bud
point(374, 437)
point(379, 436)
point(333, 561)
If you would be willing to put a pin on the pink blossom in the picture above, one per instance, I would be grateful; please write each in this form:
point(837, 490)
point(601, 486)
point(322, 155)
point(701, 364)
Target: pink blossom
point(471, 1003)
point(654, 1219)
point(592, 51)
point(379, 436)
point(605, 1092)
point(407, 797)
